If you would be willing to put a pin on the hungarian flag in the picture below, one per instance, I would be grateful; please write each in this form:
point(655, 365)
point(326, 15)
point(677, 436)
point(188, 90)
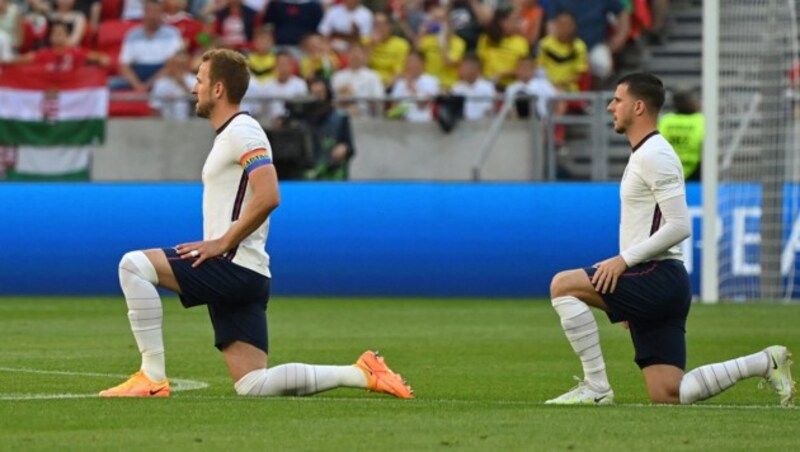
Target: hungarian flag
point(51, 121)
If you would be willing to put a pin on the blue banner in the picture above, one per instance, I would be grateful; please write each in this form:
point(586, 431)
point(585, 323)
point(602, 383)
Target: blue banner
point(337, 239)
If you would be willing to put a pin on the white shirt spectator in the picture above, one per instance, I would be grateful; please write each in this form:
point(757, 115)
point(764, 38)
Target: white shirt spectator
point(339, 19)
point(272, 88)
point(425, 87)
point(476, 109)
point(171, 98)
point(132, 9)
point(538, 86)
point(362, 82)
point(139, 48)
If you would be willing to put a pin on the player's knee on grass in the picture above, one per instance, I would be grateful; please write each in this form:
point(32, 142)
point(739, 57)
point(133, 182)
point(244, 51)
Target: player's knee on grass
point(663, 383)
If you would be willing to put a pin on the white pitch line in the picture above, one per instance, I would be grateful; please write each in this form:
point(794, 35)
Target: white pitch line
point(176, 384)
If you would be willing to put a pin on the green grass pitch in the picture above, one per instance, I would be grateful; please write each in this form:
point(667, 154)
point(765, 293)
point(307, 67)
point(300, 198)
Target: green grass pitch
point(480, 368)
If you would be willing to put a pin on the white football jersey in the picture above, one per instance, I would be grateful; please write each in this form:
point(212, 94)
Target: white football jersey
point(241, 145)
point(653, 174)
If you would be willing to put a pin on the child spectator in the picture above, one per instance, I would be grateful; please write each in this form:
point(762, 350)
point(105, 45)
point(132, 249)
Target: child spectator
point(261, 60)
point(530, 83)
point(562, 54)
point(318, 59)
point(285, 85)
point(358, 80)
point(387, 52)
point(443, 49)
point(417, 85)
point(501, 48)
point(171, 90)
point(471, 85)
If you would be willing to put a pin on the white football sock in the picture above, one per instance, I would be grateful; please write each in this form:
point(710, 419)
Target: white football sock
point(299, 379)
point(710, 380)
point(138, 279)
point(581, 329)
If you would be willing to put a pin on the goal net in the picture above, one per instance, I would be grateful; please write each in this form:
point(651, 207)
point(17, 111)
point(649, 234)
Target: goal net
point(758, 169)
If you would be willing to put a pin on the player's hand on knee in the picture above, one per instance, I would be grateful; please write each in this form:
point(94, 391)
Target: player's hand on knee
point(200, 251)
point(608, 272)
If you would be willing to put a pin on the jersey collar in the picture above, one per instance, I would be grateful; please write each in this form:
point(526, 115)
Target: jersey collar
point(222, 127)
point(640, 143)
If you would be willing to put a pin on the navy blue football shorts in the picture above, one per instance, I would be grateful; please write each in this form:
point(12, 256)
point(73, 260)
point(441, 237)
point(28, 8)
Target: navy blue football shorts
point(236, 298)
point(654, 298)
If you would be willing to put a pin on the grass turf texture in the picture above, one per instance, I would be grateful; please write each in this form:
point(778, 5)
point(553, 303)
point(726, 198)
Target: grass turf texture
point(480, 368)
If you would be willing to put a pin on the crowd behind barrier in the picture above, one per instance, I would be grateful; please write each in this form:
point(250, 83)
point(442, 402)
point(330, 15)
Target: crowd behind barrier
point(415, 60)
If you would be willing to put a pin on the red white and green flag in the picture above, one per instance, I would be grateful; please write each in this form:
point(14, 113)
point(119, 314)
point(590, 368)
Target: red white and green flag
point(50, 122)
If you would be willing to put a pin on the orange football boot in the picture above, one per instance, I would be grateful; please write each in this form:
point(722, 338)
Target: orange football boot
point(380, 378)
point(138, 385)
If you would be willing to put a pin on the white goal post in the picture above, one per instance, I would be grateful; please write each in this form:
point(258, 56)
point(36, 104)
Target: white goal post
point(751, 162)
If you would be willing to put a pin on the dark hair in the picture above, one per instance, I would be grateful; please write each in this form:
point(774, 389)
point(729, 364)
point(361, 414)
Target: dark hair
point(494, 31)
point(328, 90)
point(685, 102)
point(471, 57)
point(645, 87)
point(230, 68)
point(417, 54)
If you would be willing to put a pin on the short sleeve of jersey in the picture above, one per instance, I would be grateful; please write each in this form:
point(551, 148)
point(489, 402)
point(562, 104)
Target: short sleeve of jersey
point(249, 145)
point(663, 174)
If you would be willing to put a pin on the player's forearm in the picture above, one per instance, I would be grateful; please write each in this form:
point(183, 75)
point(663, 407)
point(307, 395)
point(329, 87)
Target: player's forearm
point(676, 229)
point(253, 216)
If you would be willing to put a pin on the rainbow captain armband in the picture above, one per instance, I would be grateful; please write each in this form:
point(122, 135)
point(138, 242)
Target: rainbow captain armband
point(255, 159)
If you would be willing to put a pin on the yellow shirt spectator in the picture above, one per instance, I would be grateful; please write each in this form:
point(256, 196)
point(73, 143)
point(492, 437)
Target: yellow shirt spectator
point(261, 66)
point(435, 63)
point(388, 58)
point(500, 61)
point(325, 65)
point(564, 63)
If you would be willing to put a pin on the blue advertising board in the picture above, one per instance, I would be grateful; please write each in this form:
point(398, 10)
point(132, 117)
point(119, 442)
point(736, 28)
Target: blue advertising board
point(327, 239)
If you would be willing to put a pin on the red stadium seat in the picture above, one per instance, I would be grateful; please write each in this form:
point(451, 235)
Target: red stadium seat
point(127, 108)
point(111, 9)
point(110, 35)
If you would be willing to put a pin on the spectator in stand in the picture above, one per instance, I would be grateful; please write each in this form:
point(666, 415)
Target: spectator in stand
point(234, 25)
point(415, 91)
point(563, 55)
point(133, 9)
point(65, 12)
point(591, 17)
point(146, 48)
point(531, 17)
point(409, 15)
point(11, 23)
point(261, 60)
point(92, 10)
point(318, 59)
point(529, 82)
point(170, 97)
point(501, 48)
point(61, 56)
point(293, 19)
point(685, 130)
point(175, 14)
point(345, 23)
point(387, 52)
point(358, 80)
point(332, 137)
point(477, 91)
point(285, 85)
point(443, 49)
point(468, 18)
